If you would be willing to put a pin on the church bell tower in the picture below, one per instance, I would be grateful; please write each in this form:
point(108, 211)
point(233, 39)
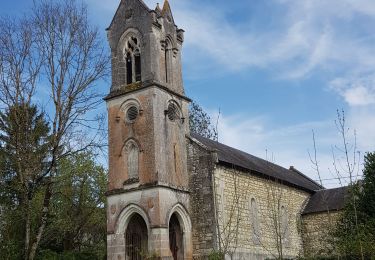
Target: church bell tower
point(148, 198)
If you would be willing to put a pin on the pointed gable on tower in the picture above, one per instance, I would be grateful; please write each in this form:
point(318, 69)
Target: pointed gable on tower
point(167, 12)
point(158, 10)
point(145, 47)
point(128, 14)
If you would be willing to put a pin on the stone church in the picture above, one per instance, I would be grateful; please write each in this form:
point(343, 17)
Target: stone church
point(173, 194)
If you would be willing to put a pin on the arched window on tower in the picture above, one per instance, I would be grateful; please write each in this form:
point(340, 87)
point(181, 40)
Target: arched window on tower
point(129, 69)
point(132, 159)
point(133, 60)
point(168, 61)
point(137, 60)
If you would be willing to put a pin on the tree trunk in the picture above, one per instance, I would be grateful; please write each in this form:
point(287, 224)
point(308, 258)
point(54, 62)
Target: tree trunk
point(27, 229)
point(43, 221)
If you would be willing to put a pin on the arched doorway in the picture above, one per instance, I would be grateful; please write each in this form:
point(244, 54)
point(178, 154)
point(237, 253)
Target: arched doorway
point(136, 238)
point(176, 241)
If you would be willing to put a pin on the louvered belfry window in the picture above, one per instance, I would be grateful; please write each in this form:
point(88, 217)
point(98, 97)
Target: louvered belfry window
point(133, 60)
point(132, 114)
point(172, 112)
point(129, 69)
point(137, 60)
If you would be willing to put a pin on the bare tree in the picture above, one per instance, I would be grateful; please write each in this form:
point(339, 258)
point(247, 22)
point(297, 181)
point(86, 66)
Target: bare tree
point(57, 49)
point(325, 235)
point(20, 63)
point(20, 67)
point(345, 158)
point(277, 216)
point(348, 164)
point(228, 212)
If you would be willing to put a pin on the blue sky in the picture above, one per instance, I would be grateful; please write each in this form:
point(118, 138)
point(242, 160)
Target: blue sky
point(276, 70)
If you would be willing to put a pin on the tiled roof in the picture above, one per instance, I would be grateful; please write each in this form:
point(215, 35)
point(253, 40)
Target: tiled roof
point(231, 156)
point(324, 200)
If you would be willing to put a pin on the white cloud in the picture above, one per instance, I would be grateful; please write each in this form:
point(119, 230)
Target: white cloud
point(309, 35)
point(357, 91)
point(290, 145)
point(359, 96)
point(363, 120)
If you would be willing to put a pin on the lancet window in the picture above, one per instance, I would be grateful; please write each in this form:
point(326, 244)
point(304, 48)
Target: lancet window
point(168, 61)
point(133, 60)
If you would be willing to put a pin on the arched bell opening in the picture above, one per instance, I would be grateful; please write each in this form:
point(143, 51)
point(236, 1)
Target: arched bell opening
point(176, 238)
point(136, 238)
point(129, 68)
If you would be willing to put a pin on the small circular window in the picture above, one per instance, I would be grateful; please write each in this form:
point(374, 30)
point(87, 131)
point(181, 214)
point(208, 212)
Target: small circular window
point(131, 114)
point(172, 112)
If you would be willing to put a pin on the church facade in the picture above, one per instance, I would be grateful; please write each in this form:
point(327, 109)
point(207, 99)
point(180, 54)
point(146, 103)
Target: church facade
point(173, 194)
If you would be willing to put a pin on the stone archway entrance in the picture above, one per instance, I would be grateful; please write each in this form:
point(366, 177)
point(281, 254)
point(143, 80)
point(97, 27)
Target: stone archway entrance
point(136, 238)
point(176, 240)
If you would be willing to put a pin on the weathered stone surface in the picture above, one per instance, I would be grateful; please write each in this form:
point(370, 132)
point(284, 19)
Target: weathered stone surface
point(201, 165)
point(234, 190)
point(150, 178)
point(158, 35)
point(318, 229)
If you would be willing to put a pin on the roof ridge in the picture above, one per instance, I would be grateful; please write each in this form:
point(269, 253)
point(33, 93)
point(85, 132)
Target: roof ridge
point(144, 4)
point(332, 189)
point(192, 138)
point(269, 162)
point(292, 168)
point(118, 8)
point(327, 199)
point(242, 159)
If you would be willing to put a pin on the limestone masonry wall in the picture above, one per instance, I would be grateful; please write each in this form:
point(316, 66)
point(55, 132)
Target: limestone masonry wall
point(258, 232)
point(201, 165)
point(317, 233)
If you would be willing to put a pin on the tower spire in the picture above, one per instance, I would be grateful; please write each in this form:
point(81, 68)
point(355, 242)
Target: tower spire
point(166, 11)
point(157, 9)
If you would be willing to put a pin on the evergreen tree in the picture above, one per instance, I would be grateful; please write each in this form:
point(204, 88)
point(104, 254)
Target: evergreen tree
point(367, 194)
point(24, 148)
point(77, 222)
point(55, 44)
point(356, 235)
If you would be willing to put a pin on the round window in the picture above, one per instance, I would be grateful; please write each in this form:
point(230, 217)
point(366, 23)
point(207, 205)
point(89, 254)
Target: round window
point(172, 113)
point(131, 114)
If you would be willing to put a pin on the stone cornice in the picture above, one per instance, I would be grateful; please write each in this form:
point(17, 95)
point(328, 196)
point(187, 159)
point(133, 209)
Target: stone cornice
point(149, 186)
point(141, 86)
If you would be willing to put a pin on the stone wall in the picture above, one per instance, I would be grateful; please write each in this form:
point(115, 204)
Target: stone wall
point(234, 191)
point(153, 31)
point(155, 205)
point(201, 164)
point(317, 233)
